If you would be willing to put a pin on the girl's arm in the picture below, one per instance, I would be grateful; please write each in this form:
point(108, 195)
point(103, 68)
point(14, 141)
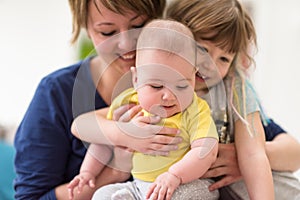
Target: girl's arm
point(282, 151)
point(94, 127)
point(252, 159)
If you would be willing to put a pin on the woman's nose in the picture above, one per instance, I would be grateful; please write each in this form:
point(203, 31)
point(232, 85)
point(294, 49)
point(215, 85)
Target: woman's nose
point(127, 40)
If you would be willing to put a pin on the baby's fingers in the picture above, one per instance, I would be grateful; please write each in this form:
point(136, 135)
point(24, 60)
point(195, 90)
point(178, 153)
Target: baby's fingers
point(71, 187)
point(70, 192)
point(82, 182)
point(92, 183)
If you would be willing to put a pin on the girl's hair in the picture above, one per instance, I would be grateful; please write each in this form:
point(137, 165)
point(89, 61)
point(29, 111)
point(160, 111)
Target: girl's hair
point(223, 22)
point(226, 24)
point(79, 10)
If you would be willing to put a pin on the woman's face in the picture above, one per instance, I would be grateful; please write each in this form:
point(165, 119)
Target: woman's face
point(114, 35)
point(212, 68)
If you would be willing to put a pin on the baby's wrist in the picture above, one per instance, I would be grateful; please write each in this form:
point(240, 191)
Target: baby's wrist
point(178, 177)
point(87, 172)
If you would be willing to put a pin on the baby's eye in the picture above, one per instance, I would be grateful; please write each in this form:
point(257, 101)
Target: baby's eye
point(156, 86)
point(182, 87)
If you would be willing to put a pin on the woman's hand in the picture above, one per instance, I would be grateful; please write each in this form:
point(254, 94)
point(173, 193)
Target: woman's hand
point(225, 168)
point(141, 134)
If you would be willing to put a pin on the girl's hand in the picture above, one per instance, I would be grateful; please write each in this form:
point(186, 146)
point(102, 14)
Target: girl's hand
point(163, 187)
point(226, 167)
point(84, 178)
point(141, 133)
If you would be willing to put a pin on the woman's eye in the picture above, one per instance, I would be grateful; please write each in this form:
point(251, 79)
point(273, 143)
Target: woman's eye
point(139, 25)
point(108, 33)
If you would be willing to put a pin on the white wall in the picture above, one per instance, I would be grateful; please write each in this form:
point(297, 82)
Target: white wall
point(34, 40)
point(277, 75)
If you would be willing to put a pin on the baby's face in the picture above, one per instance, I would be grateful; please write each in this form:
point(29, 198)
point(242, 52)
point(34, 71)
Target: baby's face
point(165, 82)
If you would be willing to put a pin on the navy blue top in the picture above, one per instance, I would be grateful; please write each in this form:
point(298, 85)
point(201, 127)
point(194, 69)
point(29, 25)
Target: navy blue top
point(47, 154)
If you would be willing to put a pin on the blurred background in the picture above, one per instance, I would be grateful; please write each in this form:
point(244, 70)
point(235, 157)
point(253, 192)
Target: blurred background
point(35, 40)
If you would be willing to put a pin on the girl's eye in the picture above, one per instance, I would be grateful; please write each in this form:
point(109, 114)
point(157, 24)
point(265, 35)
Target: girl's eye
point(108, 34)
point(224, 59)
point(202, 49)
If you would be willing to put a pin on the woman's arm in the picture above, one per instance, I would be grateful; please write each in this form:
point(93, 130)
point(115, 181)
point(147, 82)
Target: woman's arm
point(283, 153)
point(147, 138)
point(252, 159)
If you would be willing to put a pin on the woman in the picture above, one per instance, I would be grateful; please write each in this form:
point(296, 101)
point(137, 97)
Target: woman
point(48, 156)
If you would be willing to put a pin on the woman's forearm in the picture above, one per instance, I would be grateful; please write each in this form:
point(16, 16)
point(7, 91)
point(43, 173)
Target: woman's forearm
point(283, 153)
point(87, 128)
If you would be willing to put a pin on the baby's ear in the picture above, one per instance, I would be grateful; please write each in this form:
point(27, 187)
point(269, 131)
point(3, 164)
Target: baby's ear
point(134, 76)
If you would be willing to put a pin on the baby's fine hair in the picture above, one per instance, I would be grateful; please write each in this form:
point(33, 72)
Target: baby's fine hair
point(79, 9)
point(170, 36)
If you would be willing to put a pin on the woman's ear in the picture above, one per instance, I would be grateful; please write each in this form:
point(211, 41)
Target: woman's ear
point(134, 76)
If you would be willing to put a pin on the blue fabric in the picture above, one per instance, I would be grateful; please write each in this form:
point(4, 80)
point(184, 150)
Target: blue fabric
point(7, 173)
point(272, 130)
point(47, 154)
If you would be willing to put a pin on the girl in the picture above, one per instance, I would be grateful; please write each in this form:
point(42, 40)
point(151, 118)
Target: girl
point(226, 32)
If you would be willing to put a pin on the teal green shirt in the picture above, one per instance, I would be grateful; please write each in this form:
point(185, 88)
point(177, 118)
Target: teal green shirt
point(7, 172)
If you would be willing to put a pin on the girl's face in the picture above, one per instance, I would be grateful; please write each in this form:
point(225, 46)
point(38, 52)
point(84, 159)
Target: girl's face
point(114, 35)
point(212, 70)
point(164, 82)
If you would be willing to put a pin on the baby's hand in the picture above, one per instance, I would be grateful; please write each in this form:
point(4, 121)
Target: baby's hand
point(84, 178)
point(163, 187)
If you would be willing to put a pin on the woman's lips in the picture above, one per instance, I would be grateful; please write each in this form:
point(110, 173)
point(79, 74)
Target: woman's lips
point(128, 56)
